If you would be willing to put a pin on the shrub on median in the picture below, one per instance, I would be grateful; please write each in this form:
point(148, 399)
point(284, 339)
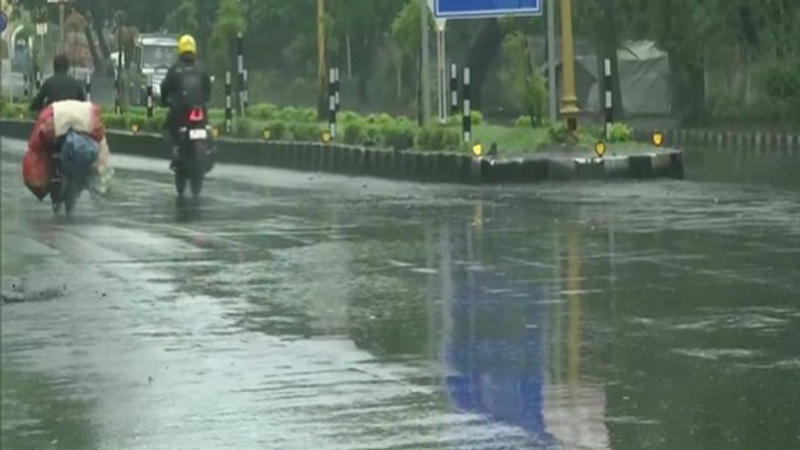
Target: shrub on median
point(399, 135)
point(355, 132)
point(298, 115)
point(436, 137)
point(621, 132)
point(381, 130)
point(278, 130)
point(475, 116)
point(305, 132)
point(263, 111)
point(14, 111)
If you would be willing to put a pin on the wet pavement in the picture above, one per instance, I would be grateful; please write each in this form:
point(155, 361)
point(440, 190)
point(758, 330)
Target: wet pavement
point(304, 311)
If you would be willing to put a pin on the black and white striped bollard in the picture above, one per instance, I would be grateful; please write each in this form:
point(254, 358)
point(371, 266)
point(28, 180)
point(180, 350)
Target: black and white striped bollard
point(246, 91)
point(467, 121)
point(26, 86)
point(228, 103)
point(87, 88)
point(453, 89)
point(332, 103)
point(150, 98)
point(608, 106)
point(337, 87)
point(117, 100)
point(240, 71)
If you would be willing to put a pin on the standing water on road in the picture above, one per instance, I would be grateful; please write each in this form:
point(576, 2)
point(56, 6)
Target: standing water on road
point(308, 311)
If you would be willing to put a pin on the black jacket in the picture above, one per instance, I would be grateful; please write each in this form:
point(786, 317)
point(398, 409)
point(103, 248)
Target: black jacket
point(186, 84)
point(57, 88)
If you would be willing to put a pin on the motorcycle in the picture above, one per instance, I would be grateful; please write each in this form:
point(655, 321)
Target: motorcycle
point(72, 164)
point(64, 192)
point(195, 152)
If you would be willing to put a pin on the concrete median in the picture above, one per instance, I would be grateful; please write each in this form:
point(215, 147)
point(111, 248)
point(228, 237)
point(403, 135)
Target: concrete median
point(412, 165)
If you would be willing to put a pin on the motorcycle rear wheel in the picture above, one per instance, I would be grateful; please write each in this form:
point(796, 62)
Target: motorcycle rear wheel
point(70, 198)
point(180, 182)
point(197, 184)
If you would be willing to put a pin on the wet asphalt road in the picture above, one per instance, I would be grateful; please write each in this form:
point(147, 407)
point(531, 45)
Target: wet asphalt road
point(304, 311)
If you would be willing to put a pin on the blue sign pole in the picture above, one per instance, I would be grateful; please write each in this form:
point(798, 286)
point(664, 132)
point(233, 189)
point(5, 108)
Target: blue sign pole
point(471, 9)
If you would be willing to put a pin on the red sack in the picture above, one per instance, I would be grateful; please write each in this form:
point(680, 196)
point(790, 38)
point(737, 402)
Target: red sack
point(37, 163)
point(43, 135)
point(37, 169)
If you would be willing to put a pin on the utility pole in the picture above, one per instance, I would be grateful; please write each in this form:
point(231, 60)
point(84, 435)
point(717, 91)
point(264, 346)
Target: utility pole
point(426, 63)
point(569, 104)
point(322, 104)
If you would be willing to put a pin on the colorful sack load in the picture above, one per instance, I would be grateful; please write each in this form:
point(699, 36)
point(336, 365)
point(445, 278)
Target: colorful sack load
point(54, 122)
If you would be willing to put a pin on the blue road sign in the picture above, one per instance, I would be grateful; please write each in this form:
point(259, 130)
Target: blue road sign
point(3, 21)
point(468, 9)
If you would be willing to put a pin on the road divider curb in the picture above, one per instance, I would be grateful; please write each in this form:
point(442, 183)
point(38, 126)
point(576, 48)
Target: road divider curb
point(406, 165)
point(758, 143)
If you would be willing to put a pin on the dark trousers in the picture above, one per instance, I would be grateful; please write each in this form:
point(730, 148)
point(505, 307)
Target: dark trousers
point(173, 124)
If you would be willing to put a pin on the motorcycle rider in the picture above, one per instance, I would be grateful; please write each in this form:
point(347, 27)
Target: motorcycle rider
point(59, 87)
point(186, 86)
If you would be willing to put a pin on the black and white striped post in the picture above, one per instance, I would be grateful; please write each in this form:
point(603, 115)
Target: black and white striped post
point(26, 86)
point(117, 93)
point(332, 103)
point(608, 105)
point(337, 87)
point(240, 91)
point(453, 89)
point(87, 88)
point(467, 120)
point(246, 91)
point(228, 103)
point(150, 97)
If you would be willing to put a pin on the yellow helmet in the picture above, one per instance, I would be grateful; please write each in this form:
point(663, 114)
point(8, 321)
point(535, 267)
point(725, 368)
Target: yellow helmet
point(186, 44)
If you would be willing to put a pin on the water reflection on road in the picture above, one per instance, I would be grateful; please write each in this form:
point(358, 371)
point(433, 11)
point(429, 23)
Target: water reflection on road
point(512, 344)
point(295, 311)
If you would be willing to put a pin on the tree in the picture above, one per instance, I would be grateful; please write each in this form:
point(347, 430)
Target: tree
point(526, 83)
point(363, 23)
point(230, 22)
point(408, 39)
point(406, 32)
point(184, 19)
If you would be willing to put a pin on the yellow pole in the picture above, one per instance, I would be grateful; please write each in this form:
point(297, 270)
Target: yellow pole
point(574, 298)
point(569, 104)
point(322, 108)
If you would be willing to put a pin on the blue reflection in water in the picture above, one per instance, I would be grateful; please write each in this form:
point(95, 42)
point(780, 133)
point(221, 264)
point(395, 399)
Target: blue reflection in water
point(494, 355)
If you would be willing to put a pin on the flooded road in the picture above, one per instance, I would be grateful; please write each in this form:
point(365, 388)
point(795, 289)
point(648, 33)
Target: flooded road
point(305, 311)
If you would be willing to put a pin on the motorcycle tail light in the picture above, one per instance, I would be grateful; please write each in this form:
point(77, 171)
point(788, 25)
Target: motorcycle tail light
point(197, 115)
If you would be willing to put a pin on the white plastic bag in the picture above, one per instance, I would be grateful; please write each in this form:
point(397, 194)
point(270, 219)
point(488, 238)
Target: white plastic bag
point(103, 173)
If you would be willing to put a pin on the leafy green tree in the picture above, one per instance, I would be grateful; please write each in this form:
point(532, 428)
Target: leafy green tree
point(526, 83)
point(230, 22)
point(184, 20)
point(362, 23)
point(405, 30)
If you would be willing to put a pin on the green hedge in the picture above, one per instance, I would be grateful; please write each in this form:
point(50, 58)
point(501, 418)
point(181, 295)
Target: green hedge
point(435, 137)
point(297, 124)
